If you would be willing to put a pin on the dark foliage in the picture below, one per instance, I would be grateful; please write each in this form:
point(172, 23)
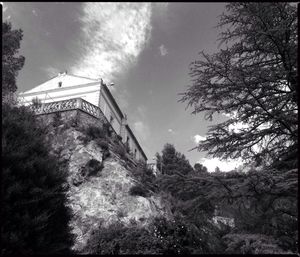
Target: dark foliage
point(92, 168)
point(11, 61)
point(171, 161)
point(121, 151)
point(102, 143)
point(57, 120)
point(253, 80)
point(94, 132)
point(145, 176)
point(34, 215)
point(160, 237)
point(139, 190)
point(198, 167)
point(107, 129)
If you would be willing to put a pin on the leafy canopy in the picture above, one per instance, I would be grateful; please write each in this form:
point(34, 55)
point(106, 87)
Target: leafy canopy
point(11, 61)
point(253, 80)
point(172, 161)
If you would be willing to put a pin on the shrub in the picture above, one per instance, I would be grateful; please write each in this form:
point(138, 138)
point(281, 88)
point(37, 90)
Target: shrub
point(94, 132)
point(74, 122)
point(108, 129)
point(57, 119)
point(102, 143)
point(139, 190)
point(34, 213)
point(160, 237)
point(120, 150)
point(145, 176)
point(92, 167)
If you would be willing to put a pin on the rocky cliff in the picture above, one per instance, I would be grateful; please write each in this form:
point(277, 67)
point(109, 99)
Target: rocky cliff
point(103, 194)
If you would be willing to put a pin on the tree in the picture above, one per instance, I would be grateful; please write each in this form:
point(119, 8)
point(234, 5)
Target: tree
point(172, 161)
point(11, 61)
point(35, 218)
point(253, 80)
point(217, 170)
point(198, 167)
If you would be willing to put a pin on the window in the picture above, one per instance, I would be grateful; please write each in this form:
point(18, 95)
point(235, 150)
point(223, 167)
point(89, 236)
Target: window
point(59, 84)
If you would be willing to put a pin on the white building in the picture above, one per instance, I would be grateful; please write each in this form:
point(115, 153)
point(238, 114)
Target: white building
point(66, 86)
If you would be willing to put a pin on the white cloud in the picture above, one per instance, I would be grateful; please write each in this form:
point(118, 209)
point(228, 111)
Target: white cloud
point(163, 50)
point(237, 126)
point(171, 131)
point(198, 138)
point(113, 36)
point(51, 71)
point(212, 163)
point(34, 12)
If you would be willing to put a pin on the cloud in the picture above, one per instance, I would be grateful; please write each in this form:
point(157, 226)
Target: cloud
point(51, 71)
point(171, 131)
point(163, 50)
point(212, 163)
point(142, 130)
point(198, 138)
point(113, 36)
point(34, 12)
point(237, 126)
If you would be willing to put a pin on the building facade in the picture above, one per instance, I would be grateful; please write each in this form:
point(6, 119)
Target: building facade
point(64, 87)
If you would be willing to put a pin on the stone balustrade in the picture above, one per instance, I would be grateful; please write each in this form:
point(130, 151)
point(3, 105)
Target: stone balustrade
point(69, 104)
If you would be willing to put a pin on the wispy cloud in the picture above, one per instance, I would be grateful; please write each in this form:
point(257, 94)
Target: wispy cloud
point(198, 138)
point(212, 163)
point(34, 12)
point(113, 36)
point(163, 50)
point(50, 71)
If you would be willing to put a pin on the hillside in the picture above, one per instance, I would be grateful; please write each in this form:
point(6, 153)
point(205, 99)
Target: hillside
point(103, 194)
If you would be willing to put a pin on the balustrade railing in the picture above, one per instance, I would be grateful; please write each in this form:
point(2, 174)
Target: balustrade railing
point(64, 105)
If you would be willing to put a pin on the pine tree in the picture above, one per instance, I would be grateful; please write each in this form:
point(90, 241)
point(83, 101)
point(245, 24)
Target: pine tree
point(34, 213)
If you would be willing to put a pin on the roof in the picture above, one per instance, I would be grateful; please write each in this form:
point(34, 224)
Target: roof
point(68, 80)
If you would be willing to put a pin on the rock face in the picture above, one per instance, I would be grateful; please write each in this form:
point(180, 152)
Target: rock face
point(103, 196)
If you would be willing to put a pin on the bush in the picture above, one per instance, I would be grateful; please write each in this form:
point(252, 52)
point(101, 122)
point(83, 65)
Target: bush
point(138, 190)
point(160, 237)
point(120, 150)
point(92, 167)
point(34, 213)
point(102, 143)
point(94, 132)
point(57, 119)
point(108, 129)
point(145, 176)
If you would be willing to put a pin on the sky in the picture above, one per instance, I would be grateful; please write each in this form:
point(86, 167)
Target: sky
point(145, 49)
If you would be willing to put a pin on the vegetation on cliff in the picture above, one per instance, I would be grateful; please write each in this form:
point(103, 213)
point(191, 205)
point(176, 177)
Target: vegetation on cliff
point(34, 215)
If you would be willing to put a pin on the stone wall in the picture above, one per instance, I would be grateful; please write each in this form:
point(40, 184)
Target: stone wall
point(85, 114)
point(83, 119)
